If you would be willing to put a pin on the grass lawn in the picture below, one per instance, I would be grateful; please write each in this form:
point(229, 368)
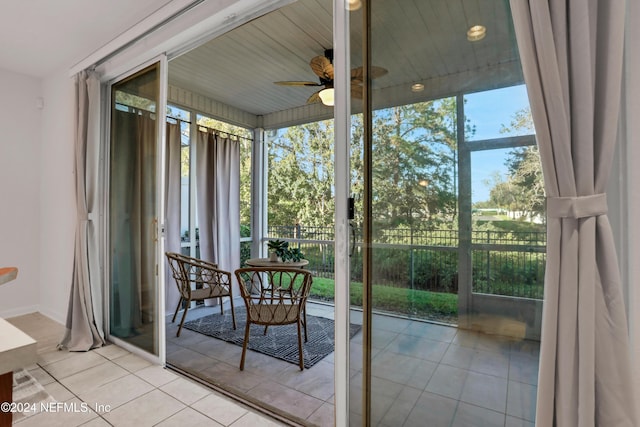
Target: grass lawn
point(516, 226)
point(429, 305)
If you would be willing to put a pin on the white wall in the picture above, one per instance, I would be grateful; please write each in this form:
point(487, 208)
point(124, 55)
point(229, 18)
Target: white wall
point(20, 206)
point(57, 195)
point(37, 202)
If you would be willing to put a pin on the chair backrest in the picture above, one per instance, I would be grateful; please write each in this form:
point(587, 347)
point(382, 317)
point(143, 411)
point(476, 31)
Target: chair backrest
point(177, 270)
point(273, 286)
point(187, 270)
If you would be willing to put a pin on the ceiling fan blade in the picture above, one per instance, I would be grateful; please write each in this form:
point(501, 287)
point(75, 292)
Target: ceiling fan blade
point(357, 74)
point(322, 66)
point(356, 91)
point(378, 72)
point(314, 98)
point(293, 83)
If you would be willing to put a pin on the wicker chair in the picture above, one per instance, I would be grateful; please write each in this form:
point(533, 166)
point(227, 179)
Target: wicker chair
point(274, 296)
point(198, 280)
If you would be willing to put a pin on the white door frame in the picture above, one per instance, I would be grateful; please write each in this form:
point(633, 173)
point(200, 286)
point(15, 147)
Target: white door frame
point(160, 183)
point(342, 135)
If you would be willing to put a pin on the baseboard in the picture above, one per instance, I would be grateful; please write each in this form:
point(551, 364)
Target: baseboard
point(19, 311)
point(58, 317)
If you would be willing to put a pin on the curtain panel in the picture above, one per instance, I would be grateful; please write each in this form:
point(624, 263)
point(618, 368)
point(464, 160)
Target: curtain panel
point(84, 327)
point(132, 215)
point(571, 53)
point(172, 201)
point(629, 139)
point(218, 199)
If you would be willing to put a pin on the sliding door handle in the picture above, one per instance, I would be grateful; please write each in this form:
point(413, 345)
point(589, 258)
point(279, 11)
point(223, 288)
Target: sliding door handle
point(352, 230)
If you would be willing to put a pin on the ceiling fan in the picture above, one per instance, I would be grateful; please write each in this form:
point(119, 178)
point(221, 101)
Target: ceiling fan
point(322, 66)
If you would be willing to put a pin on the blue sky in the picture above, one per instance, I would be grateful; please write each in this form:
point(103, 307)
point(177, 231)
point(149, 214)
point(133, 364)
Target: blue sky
point(489, 111)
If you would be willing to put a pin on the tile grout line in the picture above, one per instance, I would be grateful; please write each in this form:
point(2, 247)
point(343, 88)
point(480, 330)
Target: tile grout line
point(75, 395)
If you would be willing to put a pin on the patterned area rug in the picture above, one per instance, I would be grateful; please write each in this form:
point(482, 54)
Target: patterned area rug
point(28, 395)
point(280, 342)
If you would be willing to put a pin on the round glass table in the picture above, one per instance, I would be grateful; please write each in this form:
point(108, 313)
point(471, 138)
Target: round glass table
point(266, 262)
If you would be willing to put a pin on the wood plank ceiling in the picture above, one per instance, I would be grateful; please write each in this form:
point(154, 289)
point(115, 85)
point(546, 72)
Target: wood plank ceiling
point(415, 40)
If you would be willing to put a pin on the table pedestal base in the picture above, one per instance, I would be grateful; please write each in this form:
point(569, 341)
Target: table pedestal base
point(6, 395)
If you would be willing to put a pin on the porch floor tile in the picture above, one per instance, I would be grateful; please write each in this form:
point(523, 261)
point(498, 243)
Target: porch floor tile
point(423, 374)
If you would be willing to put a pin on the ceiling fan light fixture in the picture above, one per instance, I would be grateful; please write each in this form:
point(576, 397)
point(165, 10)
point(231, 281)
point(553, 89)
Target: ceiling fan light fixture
point(353, 4)
point(327, 96)
point(476, 33)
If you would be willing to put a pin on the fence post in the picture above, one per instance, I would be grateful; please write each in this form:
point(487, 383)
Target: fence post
point(411, 258)
point(488, 262)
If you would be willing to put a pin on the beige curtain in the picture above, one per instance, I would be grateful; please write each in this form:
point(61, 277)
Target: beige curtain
point(84, 329)
point(131, 223)
point(571, 54)
point(218, 199)
point(630, 149)
point(143, 216)
point(172, 209)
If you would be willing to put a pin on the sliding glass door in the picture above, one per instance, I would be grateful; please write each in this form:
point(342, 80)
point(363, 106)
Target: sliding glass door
point(134, 231)
point(452, 257)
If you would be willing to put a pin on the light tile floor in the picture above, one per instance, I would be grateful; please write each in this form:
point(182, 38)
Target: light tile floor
point(423, 374)
point(121, 389)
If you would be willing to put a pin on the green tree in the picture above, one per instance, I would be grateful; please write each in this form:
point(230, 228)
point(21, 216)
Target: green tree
point(525, 174)
point(524, 187)
point(521, 123)
point(504, 193)
point(414, 167)
point(301, 175)
point(415, 164)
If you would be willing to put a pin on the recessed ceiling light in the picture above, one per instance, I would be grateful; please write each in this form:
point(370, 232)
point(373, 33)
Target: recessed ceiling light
point(417, 87)
point(477, 32)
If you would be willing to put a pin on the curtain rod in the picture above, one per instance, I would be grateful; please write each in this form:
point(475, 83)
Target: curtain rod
point(177, 119)
point(156, 21)
point(218, 131)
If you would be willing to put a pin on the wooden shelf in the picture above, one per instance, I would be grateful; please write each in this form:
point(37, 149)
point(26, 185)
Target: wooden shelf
point(8, 274)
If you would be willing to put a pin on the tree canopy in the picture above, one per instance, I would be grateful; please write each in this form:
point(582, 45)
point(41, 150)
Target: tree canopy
point(523, 189)
point(415, 163)
point(301, 175)
point(414, 168)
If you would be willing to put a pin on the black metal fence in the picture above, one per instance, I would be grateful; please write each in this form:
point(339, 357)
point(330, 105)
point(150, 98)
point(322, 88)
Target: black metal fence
point(507, 263)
